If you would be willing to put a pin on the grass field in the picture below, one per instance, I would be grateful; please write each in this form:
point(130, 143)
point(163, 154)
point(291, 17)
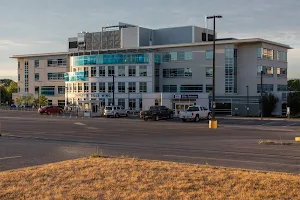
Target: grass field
point(126, 178)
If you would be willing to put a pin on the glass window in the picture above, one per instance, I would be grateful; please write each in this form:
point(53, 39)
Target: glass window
point(74, 87)
point(282, 56)
point(209, 54)
point(48, 90)
point(93, 71)
point(86, 72)
point(36, 76)
point(208, 88)
point(143, 87)
point(157, 72)
point(19, 77)
point(266, 88)
point(121, 87)
point(173, 56)
point(102, 71)
point(121, 102)
point(131, 87)
point(79, 87)
point(264, 53)
point(61, 89)
point(93, 87)
point(86, 87)
point(267, 71)
point(36, 63)
point(132, 104)
point(188, 55)
point(110, 87)
point(56, 76)
point(143, 70)
point(121, 71)
point(19, 65)
point(49, 102)
point(102, 87)
point(141, 104)
point(111, 70)
point(110, 102)
point(169, 88)
point(191, 88)
point(209, 72)
point(282, 88)
point(281, 72)
point(132, 71)
point(179, 72)
point(57, 62)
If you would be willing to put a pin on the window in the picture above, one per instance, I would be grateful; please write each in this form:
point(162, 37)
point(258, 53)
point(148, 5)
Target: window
point(110, 87)
point(36, 76)
point(111, 70)
point(267, 71)
point(102, 87)
point(121, 102)
point(86, 87)
point(19, 77)
point(132, 71)
point(266, 88)
point(121, 71)
point(281, 72)
point(102, 71)
point(61, 102)
point(93, 71)
point(179, 72)
point(48, 90)
point(86, 72)
point(208, 88)
point(93, 88)
point(209, 72)
point(282, 88)
point(121, 87)
point(177, 56)
point(57, 62)
point(79, 87)
point(74, 87)
point(61, 89)
point(143, 70)
point(36, 63)
point(209, 54)
point(19, 65)
point(56, 76)
point(49, 102)
point(110, 102)
point(264, 53)
point(282, 56)
point(131, 87)
point(132, 104)
point(143, 87)
point(169, 88)
point(157, 72)
point(191, 88)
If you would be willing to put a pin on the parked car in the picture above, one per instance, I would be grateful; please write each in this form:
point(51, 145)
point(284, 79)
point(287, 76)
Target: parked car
point(195, 113)
point(115, 111)
point(50, 110)
point(156, 113)
point(13, 106)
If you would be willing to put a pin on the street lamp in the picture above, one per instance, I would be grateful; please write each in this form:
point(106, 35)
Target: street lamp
point(213, 121)
point(66, 91)
point(247, 101)
point(261, 93)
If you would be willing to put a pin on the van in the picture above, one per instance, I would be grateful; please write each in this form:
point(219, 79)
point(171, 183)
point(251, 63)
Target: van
point(115, 111)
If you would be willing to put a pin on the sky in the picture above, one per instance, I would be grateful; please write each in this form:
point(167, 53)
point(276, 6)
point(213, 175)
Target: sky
point(40, 26)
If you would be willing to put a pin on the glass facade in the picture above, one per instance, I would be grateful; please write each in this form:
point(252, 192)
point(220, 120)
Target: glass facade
point(230, 71)
point(177, 56)
point(179, 72)
point(169, 88)
point(104, 59)
point(48, 91)
point(75, 76)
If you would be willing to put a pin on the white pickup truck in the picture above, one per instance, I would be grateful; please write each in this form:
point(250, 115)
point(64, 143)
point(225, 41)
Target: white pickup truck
point(195, 113)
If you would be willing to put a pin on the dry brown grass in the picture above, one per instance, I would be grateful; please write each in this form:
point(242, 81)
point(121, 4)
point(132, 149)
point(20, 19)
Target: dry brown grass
point(125, 178)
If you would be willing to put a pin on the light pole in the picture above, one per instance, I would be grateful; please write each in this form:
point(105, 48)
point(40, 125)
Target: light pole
point(213, 121)
point(247, 101)
point(66, 91)
point(113, 89)
point(261, 94)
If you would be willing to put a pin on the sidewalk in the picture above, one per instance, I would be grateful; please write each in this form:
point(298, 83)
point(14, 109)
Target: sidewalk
point(258, 118)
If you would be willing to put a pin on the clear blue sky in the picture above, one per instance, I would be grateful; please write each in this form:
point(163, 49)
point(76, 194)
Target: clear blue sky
point(39, 26)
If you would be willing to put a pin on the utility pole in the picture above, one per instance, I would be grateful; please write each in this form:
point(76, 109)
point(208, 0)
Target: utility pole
point(247, 101)
point(113, 89)
point(261, 94)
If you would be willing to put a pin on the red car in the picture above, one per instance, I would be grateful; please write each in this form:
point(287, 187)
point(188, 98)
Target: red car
point(50, 110)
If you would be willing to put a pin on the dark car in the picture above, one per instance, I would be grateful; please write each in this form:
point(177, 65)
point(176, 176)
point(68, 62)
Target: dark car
point(156, 113)
point(50, 110)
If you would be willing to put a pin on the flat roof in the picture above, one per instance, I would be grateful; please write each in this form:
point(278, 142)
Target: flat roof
point(157, 47)
point(41, 55)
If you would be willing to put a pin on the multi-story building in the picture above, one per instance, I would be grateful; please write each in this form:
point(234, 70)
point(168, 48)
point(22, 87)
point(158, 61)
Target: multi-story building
point(42, 74)
point(138, 67)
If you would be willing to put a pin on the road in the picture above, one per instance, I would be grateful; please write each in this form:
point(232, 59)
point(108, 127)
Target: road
point(29, 139)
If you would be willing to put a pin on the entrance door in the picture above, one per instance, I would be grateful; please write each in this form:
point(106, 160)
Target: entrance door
point(181, 107)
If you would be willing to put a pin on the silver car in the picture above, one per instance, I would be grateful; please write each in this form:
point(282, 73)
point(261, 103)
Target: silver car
point(115, 111)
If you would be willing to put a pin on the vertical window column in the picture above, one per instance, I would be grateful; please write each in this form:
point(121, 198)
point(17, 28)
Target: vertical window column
point(26, 76)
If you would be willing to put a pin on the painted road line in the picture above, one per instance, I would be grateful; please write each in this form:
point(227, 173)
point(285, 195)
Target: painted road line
point(79, 124)
point(230, 160)
point(6, 158)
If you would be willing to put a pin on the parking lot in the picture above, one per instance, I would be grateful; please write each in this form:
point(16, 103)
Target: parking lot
point(31, 139)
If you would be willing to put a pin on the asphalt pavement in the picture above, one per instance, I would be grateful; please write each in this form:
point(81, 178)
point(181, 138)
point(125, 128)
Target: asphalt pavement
point(29, 139)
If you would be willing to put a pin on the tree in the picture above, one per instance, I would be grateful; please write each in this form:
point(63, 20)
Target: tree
point(28, 100)
point(293, 102)
point(12, 88)
point(43, 100)
point(269, 102)
point(19, 101)
point(294, 85)
point(5, 82)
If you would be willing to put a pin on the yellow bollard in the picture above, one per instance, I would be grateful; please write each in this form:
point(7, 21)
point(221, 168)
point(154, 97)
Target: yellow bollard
point(297, 139)
point(213, 124)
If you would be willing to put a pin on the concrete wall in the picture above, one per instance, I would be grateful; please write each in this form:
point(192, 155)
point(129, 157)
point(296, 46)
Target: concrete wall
point(130, 37)
point(144, 36)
